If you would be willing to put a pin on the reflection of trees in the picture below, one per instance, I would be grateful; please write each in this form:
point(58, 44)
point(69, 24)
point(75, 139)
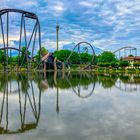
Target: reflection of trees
point(22, 78)
point(125, 78)
point(137, 79)
point(24, 82)
point(128, 83)
point(107, 81)
point(82, 81)
point(23, 99)
point(74, 77)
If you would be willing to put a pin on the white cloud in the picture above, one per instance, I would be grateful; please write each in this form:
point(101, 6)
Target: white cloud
point(86, 4)
point(56, 8)
point(51, 44)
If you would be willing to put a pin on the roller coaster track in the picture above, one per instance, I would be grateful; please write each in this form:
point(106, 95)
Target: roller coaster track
point(126, 49)
point(23, 32)
point(78, 49)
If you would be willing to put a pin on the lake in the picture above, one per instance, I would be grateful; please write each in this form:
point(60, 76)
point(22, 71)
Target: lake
point(69, 106)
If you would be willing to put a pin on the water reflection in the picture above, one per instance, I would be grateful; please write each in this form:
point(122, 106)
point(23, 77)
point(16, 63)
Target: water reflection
point(82, 89)
point(125, 82)
point(18, 86)
point(20, 94)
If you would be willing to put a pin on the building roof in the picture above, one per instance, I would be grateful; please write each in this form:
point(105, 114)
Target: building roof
point(132, 58)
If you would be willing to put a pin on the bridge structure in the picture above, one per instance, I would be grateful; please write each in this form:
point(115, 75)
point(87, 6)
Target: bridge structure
point(126, 51)
point(25, 28)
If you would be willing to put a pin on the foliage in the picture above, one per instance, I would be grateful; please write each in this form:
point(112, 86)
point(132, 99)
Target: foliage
point(107, 81)
point(114, 64)
point(43, 51)
point(62, 55)
point(107, 56)
point(23, 58)
point(130, 55)
point(75, 58)
point(124, 63)
point(85, 57)
point(124, 78)
point(107, 64)
point(2, 56)
point(101, 64)
point(136, 64)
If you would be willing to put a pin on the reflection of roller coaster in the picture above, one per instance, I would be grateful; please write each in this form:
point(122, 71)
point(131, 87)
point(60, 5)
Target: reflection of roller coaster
point(32, 43)
point(77, 90)
point(126, 87)
point(80, 48)
point(25, 99)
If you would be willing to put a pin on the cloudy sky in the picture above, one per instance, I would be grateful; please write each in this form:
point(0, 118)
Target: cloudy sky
point(107, 24)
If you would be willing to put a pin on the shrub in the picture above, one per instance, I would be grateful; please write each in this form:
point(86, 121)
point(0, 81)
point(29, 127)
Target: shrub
point(104, 64)
point(124, 63)
point(136, 64)
point(1, 66)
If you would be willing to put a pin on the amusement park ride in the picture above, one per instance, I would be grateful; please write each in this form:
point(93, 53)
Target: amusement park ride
point(32, 42)
point(126, 52)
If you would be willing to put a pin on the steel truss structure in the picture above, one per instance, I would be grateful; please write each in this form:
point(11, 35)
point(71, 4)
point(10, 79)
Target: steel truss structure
point(36, 34)
point(125, 51)
point(78, 49)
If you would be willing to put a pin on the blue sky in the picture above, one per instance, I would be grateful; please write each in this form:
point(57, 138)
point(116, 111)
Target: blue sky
point(107, 24)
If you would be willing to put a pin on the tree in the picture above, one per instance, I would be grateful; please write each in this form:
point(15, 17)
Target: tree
point(75, 58)
point(136, 64)
point(107, 57)
point(85, 57)
point(124, 63)
point(44, 51)
point(2, 56)
point(23, 58)
point(62, 55)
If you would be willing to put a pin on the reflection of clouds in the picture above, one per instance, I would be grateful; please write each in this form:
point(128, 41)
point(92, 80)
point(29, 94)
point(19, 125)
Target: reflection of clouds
point(104, 115)
point(15, 106)
point(108, 114)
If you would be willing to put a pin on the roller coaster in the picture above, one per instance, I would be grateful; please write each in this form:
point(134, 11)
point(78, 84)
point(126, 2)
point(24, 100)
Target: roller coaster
point(31, 39)
point(126, 51)
point(83, 47)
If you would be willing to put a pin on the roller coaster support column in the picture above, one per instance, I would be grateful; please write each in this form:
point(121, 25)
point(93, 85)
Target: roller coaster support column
point(7, 40)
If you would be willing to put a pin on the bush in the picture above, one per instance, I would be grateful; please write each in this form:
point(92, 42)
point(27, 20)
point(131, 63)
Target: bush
point(136, 64)
point(124, 64)
point(1, 66)
point(104, 64)
point(107, 56)
point(131, 70)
